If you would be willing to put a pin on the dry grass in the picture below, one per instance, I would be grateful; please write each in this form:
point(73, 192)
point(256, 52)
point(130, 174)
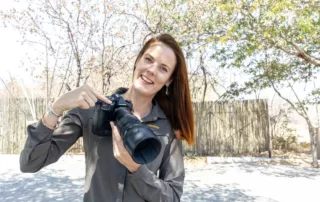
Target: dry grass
point(296, 158)
point(287, 154)
point(195, 162)
point(287, 162)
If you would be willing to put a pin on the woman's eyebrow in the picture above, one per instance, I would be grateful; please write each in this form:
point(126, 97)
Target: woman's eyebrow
point(153, 59)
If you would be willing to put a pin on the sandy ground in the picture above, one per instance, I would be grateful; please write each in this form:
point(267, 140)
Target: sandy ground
point(63, 181)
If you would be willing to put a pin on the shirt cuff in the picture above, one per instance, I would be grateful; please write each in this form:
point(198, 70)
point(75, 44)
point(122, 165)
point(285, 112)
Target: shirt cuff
point(142, 171)
point(41, 133)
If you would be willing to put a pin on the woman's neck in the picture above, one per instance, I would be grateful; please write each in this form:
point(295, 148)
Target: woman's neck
point(141, 105)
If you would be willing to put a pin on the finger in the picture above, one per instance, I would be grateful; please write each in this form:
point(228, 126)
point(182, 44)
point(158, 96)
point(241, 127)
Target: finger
point(115, 147)
point(89, 100)
point(103, 98)
point(84, 105)
point(85, 97)
point(92, 96)
point(97, 95)
point(115, 133)
point(116, 150)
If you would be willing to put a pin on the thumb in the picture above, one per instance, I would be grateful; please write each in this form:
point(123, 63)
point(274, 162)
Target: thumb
point(115, 132)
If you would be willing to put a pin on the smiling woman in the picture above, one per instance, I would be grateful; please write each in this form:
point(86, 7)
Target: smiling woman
point(151, 72)
point(161, 100)
point(163, 54)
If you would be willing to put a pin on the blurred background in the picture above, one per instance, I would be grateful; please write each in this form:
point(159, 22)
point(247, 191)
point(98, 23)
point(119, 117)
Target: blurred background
point(253, 66)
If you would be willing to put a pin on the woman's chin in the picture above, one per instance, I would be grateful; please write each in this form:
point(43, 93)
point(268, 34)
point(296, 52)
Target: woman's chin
point(144, 90)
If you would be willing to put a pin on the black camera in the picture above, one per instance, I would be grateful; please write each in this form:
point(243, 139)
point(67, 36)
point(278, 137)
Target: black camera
point(140, 141)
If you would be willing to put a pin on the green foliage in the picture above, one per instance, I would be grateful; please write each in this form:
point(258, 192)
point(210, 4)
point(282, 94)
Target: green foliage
point(276, 43)
point(314, 96)
point(288, 142)
point(257, 37)
point(282, 135)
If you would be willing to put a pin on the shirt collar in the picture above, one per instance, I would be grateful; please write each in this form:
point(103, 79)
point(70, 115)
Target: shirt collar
point(156, 113)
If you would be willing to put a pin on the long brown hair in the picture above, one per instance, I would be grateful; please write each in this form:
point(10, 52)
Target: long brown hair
point(177, 105)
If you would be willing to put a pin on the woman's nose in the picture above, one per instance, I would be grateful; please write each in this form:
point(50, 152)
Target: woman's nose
point(152, 69)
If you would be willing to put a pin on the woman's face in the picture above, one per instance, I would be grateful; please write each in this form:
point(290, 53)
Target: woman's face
point(154, 69)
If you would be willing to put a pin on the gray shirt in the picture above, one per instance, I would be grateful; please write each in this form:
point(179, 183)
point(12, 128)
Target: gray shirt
point(106, 179)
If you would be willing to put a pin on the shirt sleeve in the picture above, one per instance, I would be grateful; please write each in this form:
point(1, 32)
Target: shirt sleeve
point(45, 146)
point(169, 185)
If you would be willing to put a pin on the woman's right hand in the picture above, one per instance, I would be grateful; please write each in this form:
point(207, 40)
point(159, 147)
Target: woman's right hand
point(83, 97)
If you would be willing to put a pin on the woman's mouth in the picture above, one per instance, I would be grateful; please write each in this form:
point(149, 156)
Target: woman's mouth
point(145, 79)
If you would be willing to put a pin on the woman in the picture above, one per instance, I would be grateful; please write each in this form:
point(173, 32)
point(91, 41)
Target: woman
point(161, 99)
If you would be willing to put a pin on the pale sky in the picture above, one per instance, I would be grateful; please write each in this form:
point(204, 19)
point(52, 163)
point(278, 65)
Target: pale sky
point(11, 51)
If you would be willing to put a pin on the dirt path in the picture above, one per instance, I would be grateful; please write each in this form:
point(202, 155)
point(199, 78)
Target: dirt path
point(213, 182)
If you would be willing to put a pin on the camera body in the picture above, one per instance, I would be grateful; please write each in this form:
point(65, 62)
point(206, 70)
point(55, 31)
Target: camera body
point(104, 113)
point(140, 141)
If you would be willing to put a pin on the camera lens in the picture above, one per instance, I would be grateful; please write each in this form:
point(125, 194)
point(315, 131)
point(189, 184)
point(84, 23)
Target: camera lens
point(140, 141)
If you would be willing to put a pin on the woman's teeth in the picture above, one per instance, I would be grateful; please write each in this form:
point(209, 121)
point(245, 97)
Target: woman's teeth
point(146, 80)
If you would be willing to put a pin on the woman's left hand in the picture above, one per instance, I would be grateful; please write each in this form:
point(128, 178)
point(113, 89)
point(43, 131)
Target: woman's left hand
point(120, 152)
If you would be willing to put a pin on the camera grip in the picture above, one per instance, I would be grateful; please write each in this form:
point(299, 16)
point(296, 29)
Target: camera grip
point(97, 121)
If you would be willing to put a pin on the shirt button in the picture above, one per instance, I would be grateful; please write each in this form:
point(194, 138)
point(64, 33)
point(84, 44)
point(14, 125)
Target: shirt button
point(155, 118)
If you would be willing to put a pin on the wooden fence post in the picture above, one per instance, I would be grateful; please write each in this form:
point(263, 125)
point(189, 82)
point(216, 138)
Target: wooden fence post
point(317, 130)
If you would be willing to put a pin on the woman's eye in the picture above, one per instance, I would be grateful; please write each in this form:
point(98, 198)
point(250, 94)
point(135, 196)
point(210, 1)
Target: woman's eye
point(148, 60)
point(163, 69)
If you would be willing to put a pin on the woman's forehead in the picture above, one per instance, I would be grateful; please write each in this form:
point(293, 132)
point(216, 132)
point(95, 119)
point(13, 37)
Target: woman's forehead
point(163, 53)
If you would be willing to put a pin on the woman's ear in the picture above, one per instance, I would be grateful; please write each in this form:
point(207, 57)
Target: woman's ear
point(169, 82)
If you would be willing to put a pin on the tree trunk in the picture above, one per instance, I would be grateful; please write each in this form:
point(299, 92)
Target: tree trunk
point(78, 71)
point(317, 131)
point(313, 141)
point(270, 137)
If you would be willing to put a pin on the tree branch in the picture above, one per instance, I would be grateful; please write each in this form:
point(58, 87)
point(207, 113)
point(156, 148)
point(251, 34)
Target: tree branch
point(65, 76)
point(305, 56)
point(286, 99)
point(12, 95)
point(289, 52)
point(300, 103)
point(300, 53)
